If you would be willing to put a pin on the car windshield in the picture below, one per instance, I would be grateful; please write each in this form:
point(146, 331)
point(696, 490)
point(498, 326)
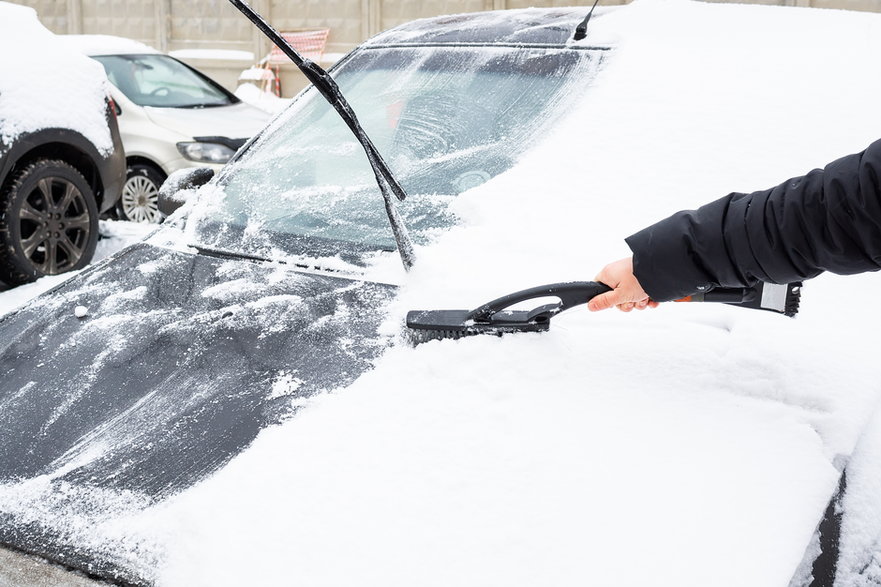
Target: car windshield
point(445, 119)
point(162, 81)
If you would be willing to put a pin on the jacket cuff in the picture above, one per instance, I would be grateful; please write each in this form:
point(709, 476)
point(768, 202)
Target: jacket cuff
point(664, 259)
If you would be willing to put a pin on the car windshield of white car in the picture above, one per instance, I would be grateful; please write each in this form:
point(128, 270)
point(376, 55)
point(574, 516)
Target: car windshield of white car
point(160, 81)
point(446, 119)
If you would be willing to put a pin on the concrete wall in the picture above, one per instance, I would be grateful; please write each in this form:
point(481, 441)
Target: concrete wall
point(171, 25)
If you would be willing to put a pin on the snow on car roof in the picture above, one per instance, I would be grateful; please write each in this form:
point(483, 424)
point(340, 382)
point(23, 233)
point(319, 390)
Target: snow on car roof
point(529, 25)
point(213, 54)
point(106, 45)
point(42, 83)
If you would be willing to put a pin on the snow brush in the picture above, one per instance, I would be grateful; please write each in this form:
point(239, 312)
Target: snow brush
point(495, 318)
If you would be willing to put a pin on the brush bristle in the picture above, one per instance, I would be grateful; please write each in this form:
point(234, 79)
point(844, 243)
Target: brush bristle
point(415, 336)
point(793, 299)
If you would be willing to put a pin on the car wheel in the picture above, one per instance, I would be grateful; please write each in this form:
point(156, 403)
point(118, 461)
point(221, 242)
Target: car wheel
point(140, 195)
point(48, 222)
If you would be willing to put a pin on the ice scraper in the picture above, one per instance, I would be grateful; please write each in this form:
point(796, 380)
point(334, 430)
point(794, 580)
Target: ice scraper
point(497, 318)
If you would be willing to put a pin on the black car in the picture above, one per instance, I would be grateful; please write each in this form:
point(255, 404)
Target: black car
point(55, 184)
point(169, 358)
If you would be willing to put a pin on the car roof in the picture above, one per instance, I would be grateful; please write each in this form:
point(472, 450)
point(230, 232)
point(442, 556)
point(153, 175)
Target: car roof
point(93, 45)
point(542, 26)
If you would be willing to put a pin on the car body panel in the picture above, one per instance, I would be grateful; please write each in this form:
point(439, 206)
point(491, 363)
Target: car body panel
point(64, 142)
point(235, 121)
point(152, 133)
point(181, 360)
point(145, 139)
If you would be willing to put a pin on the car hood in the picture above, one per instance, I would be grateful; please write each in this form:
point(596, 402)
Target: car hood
point(236, 121)
point(175, 363)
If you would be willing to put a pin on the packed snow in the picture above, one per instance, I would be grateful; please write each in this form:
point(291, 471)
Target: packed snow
point(42, 82)
point(213, 54)
point(690, 445)
point(262, 99)
point(701, 442)
point(105, 45)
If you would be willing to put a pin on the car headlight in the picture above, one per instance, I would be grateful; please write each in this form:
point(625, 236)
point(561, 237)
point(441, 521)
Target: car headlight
point(206, 152)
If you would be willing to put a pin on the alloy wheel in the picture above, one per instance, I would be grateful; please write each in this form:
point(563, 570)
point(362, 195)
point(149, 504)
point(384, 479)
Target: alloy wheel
point(55, 225)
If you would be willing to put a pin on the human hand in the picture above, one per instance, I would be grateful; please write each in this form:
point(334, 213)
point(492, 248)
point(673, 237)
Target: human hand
point(627, 294)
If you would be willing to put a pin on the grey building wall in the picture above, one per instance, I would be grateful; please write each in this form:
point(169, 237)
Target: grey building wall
point(172, 25)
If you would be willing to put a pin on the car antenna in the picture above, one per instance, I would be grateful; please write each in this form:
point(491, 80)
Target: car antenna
point(328, 88)
point(581, 30)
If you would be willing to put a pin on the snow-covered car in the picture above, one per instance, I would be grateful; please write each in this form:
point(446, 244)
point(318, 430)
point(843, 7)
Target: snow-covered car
point(171, 117)
point(61, 160)
point(233, 401)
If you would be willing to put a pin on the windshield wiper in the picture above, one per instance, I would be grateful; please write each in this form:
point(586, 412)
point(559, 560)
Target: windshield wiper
point(225, 254)
point(200, 105)
point(328, 88)
point(303, 263)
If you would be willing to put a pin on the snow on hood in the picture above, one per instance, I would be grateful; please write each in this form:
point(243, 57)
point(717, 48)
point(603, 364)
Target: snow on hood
point(236, 121)
point(702, 441)
point(42, 82)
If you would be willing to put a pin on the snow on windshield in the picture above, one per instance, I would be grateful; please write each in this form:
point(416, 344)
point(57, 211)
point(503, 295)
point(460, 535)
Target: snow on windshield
point(445, 119)
point(42, 82)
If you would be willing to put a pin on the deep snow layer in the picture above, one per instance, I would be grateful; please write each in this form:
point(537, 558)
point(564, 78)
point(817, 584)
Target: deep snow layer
point(42, 82)
point(687, 446)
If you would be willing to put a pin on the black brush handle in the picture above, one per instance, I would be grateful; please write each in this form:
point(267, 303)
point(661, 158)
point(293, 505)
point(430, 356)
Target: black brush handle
point(730, 295)
point(781, 298)
point(572, 293)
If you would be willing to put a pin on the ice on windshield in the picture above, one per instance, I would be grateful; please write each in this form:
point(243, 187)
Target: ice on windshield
point(445, 119)
point(158, 80)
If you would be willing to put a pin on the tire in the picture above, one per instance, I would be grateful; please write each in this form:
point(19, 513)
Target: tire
point(48, 222)
point(139, 201)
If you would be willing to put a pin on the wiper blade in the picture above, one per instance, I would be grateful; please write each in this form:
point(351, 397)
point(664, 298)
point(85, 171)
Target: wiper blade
point(225, 254)
point(328, 88)
point(199, 105)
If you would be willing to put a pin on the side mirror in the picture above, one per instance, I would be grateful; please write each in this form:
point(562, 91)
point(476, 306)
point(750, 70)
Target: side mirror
point(180, 185)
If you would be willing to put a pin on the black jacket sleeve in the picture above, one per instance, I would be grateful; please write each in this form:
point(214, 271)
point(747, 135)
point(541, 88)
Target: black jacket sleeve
point(828, 220)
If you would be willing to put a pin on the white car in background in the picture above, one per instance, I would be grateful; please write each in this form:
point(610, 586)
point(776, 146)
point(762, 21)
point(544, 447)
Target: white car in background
point(170, 117)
